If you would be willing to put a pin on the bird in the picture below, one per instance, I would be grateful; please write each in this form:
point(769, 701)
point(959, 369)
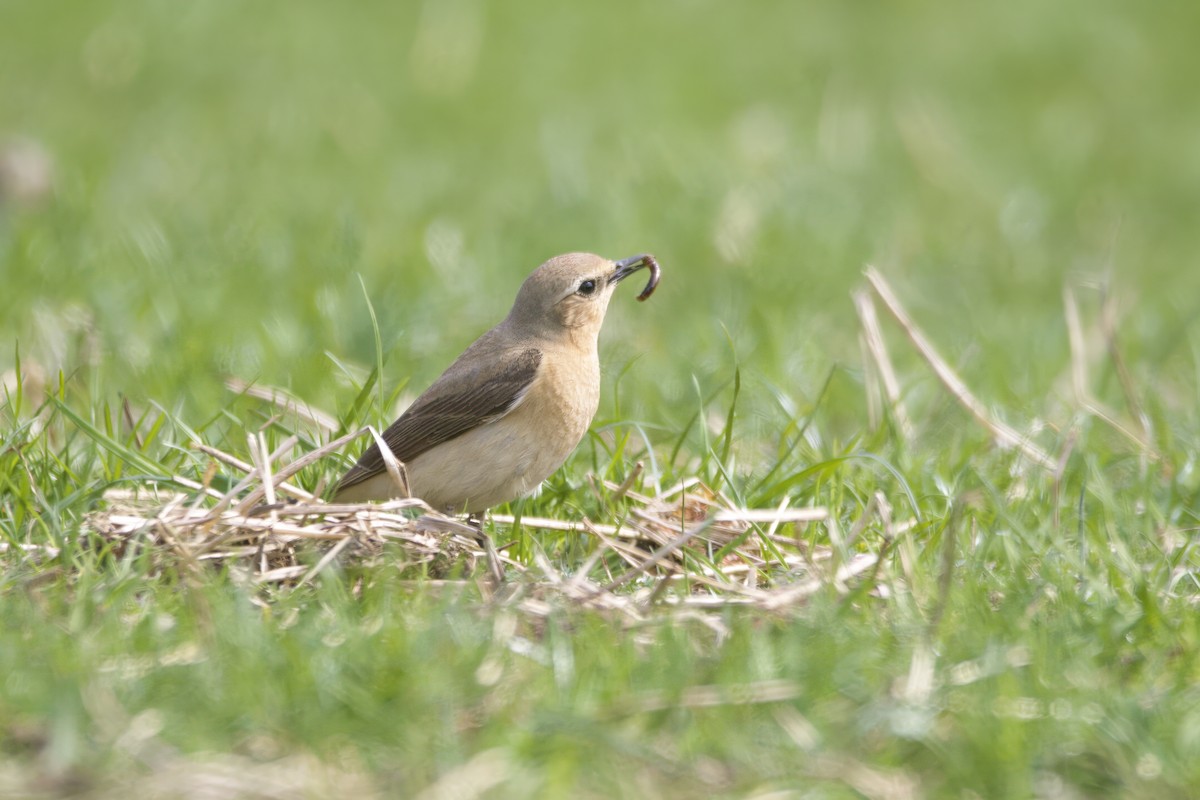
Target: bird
point(509, 411)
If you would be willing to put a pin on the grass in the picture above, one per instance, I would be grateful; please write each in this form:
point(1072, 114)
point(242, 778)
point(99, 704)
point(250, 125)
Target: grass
point(228, 180)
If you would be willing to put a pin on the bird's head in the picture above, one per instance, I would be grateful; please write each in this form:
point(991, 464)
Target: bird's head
point(570, 293)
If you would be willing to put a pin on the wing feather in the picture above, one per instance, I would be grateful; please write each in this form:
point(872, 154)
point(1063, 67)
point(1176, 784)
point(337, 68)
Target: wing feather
point(459, 401)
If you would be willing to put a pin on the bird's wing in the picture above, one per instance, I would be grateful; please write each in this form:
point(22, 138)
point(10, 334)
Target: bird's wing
point(462, 399)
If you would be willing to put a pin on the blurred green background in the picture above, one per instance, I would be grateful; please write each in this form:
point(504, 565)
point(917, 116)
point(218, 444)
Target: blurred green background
point(224, 172)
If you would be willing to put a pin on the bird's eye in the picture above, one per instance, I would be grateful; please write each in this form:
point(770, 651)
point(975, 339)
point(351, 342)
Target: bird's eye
point(587, 287)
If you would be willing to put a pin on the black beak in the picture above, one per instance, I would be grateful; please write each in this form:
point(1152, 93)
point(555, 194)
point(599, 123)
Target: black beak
point(627, 266)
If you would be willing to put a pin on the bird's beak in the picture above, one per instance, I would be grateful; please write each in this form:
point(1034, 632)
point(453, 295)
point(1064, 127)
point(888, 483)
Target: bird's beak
point(627, 266)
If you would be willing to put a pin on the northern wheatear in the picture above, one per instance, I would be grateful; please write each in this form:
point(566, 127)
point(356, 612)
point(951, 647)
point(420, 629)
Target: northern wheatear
point(513, 406)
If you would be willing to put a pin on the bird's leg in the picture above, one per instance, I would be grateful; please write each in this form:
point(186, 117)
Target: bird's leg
point(493, 556)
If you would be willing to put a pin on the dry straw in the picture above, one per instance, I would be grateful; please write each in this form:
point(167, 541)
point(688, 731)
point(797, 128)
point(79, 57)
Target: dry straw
point(688, 547)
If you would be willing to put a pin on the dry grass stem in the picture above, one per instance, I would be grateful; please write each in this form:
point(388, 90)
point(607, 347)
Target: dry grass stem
point(1108, 327)
point(257, 493)
point(1079, 375)
point(712, 696)
point(237, 463)
point(873, 341)
point(395, 467)
point(660, 557)
point(1003, 434)
point(285, 401)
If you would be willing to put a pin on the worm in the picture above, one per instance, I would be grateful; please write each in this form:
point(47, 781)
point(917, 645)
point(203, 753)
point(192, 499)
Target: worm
point(651, 284)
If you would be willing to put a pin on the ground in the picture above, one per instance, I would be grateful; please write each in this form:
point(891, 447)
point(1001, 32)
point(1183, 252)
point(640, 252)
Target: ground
point(893, 488)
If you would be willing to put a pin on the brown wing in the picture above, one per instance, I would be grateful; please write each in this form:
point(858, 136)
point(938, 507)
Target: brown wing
point(462, 399)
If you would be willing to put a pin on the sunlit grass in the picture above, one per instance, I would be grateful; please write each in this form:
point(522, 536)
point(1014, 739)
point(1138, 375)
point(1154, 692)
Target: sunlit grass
point(336, 203)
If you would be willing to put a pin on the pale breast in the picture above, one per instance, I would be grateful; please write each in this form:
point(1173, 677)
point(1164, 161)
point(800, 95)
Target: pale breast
point(510, 457)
